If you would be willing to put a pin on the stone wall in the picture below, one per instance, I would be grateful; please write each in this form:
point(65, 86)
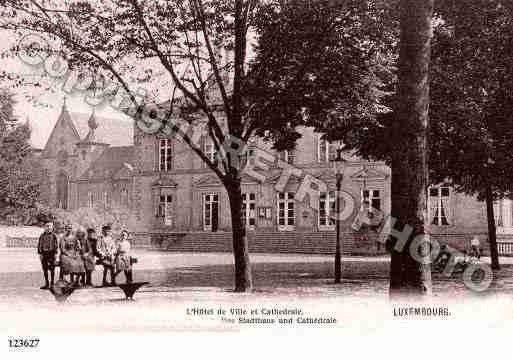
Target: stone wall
point(314, 243)
point(291, 242)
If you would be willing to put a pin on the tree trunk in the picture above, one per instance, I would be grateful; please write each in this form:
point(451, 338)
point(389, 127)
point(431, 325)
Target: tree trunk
point(492, 236)
point(243, 279)
point(409, 165)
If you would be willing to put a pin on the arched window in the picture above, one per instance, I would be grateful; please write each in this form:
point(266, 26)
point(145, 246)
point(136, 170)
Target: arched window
point(62, 190)
point(62, 158)
point(124, 197)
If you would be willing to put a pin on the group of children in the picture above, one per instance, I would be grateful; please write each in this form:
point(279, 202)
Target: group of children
point(77, 253)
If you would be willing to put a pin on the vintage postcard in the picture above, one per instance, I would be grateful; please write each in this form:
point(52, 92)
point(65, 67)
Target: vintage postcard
point(217, 169)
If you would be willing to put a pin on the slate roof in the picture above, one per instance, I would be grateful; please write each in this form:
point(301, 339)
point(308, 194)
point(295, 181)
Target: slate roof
point(112, 161)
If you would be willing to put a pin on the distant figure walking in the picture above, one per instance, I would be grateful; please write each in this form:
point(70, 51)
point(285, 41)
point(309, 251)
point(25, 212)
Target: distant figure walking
point(47, 248)
point(123, 262)
point(475, 250)
point(107, 252)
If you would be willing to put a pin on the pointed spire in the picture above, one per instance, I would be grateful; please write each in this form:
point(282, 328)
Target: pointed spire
point(93, 125)
point(65, 117)
point(64, 109)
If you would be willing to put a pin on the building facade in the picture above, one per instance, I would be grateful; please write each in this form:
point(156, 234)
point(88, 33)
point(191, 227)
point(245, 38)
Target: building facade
point(168, 197)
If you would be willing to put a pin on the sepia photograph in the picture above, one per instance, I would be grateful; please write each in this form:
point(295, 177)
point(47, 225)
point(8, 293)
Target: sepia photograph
point(254, 167)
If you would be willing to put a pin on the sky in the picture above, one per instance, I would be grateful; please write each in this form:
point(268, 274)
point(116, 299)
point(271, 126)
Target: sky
point(43, 110)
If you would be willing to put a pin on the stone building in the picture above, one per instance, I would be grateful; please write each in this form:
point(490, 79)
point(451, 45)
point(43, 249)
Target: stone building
point(169, 197)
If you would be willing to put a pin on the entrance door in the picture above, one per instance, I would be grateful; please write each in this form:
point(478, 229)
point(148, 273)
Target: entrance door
point(62, 191)
point(249, 210)
point(210, 212)
point(166, 209)
point(286, 211)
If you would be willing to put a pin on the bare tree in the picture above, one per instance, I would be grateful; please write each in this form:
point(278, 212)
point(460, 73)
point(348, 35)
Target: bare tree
point(175, 46)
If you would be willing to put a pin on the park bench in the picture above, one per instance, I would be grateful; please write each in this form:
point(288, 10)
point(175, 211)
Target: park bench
point(63, 289)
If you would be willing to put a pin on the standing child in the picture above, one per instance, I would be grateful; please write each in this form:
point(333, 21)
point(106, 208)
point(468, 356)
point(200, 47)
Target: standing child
point(123, 260)
point(87, 255)
point(93, 244)
point(47, 247)
point(107, 251)
point(71, 258)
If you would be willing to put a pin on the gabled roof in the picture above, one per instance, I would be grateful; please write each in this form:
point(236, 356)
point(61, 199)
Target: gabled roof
point(111, 131)
point(164, 182)
point(326, 176)
point(63, 122)
point(274, 178)
point(126, 171)
point(208, 180)
point(369, 174)
point(114, 161)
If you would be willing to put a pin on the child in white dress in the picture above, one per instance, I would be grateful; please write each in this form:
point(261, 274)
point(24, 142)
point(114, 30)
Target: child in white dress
point(123, 262)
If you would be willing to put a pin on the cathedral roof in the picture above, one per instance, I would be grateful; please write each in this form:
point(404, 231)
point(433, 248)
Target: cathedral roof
point(113, 160)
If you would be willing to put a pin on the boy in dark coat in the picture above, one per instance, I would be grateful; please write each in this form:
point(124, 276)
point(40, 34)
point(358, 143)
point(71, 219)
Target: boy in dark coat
point(90, 260)
point(87, 256)
point(47, 247)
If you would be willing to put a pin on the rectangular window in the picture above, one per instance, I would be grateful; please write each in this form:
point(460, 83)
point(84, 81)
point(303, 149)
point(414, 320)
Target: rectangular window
point(210, 150)
point(288, 156)
point(249, 155)
point(323, 150)
point(286, 211)
point(210, 212)
point(503, 213)
point(373, 196)
point(106, 199)
point(327, 209)
point(249, 209)
point(124, 197)
point(165, 209)
point(90, 199)
point(326, 151)
point(165, 154)
point(439, 205)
